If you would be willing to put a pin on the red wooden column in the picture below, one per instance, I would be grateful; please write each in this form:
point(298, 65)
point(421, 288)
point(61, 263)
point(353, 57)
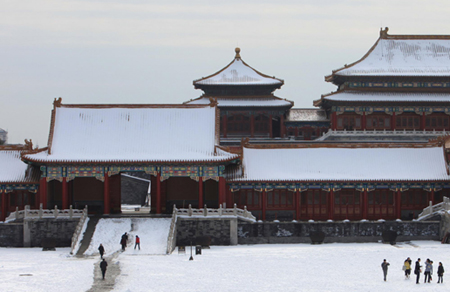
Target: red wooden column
point(398, 207)
point(65, 194)
point(282, 128)
point(431, 197)
point(36, 200)
point(365, 206)
point(422, 124)
point(364, 122)
point(4, 207)
point(158, 193)
point(222, 190)
point(224, 125)
point(393, 122)
point(252, 125)
point(200, 192)
point(333, 121)
point(297, 205)
point(43, 192)
point(264, 204)
point(331, 205)
point(106, 198)
point(270, 127)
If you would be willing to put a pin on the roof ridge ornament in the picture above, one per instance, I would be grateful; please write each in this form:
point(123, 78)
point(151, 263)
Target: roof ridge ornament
point(57, 102)
point(384, 33)
point(238, 56)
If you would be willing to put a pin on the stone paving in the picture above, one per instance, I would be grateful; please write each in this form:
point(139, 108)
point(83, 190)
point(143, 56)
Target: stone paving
point(112, 272)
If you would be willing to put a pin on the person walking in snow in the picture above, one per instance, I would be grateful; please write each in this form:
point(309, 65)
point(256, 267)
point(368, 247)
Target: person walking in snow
point(103, 265)
point(101, 250)
point(407, 265)
point(427, 272)
point(440, 273)
point(137, 242)
point(417, 270)
point(384, 266)
point(431, 272)
point(123, 241)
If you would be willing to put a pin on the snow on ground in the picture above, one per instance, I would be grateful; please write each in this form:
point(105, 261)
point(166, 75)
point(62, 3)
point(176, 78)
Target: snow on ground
point(152, 232)
point(31, 269)
point(290, 267)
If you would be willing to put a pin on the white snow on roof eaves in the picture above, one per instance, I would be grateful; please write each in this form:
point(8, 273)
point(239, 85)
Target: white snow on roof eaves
point(389, 96)
point(400, 57)
point(238, 74)
point(299, 115)
point(12, 168)
point(235, 102)
point(132, 134)
point(341, 164)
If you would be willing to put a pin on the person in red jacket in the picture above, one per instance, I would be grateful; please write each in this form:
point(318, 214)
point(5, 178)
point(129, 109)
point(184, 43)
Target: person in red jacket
point(137, 243)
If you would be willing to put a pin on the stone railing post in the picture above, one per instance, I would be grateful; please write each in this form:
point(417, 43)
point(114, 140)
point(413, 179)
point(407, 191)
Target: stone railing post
point(55, 212)
point(235, 210)
point(40, 211)
point(70, 212)
point(205, 211)
point(220, 210)
point(17, 213)
point(190, 210)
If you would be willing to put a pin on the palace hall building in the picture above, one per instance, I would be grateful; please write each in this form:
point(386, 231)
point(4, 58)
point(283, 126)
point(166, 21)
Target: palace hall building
point(376, 148)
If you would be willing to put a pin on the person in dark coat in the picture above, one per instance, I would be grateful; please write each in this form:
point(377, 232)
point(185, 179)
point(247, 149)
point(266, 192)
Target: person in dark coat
point(137, 242)
point(101, 250)
point(440, 273)
point(124, 240)
point(417, 270)
point(103, 265)
point(384, 266)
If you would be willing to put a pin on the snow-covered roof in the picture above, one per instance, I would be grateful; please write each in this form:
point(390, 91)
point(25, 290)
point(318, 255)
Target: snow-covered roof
point(344, 164)
point(245, 102)
point(388, 96)
point(402, 55)
point(14, 170)
point(306, 114)
point(238, 73)
point(147, 133)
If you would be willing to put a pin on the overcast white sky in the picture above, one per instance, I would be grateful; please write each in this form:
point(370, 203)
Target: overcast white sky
point(150, 51)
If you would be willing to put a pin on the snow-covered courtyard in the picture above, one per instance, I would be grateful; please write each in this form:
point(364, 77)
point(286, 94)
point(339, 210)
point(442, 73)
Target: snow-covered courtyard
point(290, 267)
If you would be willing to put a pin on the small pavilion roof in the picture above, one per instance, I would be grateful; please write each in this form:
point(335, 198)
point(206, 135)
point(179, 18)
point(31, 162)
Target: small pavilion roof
point(132, 134)
point(12, 169)
point(402, 55)
point(238, 73)
point(244, 102)
point(343, 164)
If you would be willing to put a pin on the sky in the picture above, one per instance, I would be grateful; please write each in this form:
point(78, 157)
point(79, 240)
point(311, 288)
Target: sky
point(136, 51)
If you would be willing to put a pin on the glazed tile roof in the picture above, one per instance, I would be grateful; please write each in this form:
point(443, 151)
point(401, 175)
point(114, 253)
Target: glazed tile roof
point(306, 114)
point(238, 73)
point(344, 164)
point(388, 96)
point(244, 102)
point(395, 56)
point(133, 134)
point(14, 170)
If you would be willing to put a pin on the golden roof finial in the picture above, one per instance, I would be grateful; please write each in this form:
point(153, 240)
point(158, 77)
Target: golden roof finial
point(237, 50)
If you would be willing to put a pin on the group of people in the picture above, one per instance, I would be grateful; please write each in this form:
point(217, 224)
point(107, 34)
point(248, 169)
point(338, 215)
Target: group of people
point(428, 271)
point(407, 265)
point(123, 242)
